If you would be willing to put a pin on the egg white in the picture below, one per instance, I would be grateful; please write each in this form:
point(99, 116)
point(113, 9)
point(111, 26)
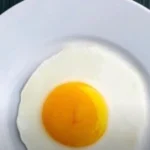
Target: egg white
point(118, 81)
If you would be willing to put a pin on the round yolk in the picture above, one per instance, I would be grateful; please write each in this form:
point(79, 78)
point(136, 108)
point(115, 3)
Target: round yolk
point(75, 114)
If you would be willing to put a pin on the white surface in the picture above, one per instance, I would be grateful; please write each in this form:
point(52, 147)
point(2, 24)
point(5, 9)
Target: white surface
point(34, 24)
point(119, 83)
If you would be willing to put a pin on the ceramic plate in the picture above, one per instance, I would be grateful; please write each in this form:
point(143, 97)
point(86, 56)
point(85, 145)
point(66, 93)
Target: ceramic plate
point(32, 31)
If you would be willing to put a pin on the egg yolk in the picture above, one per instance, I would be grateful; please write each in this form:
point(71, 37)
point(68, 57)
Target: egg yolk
point(75, 114)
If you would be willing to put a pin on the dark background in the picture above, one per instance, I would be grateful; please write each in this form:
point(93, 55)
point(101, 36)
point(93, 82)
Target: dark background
point(6, 4)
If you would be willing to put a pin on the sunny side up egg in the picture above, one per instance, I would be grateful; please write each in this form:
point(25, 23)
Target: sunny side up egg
point(85, 97)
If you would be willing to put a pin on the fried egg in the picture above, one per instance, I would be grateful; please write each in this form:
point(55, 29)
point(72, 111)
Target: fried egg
point(85, 97)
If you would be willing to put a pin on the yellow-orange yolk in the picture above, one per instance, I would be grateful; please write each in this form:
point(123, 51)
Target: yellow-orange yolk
point(75, 114)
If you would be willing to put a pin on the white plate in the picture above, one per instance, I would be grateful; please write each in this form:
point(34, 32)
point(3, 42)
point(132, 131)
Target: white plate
point(34, 24)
